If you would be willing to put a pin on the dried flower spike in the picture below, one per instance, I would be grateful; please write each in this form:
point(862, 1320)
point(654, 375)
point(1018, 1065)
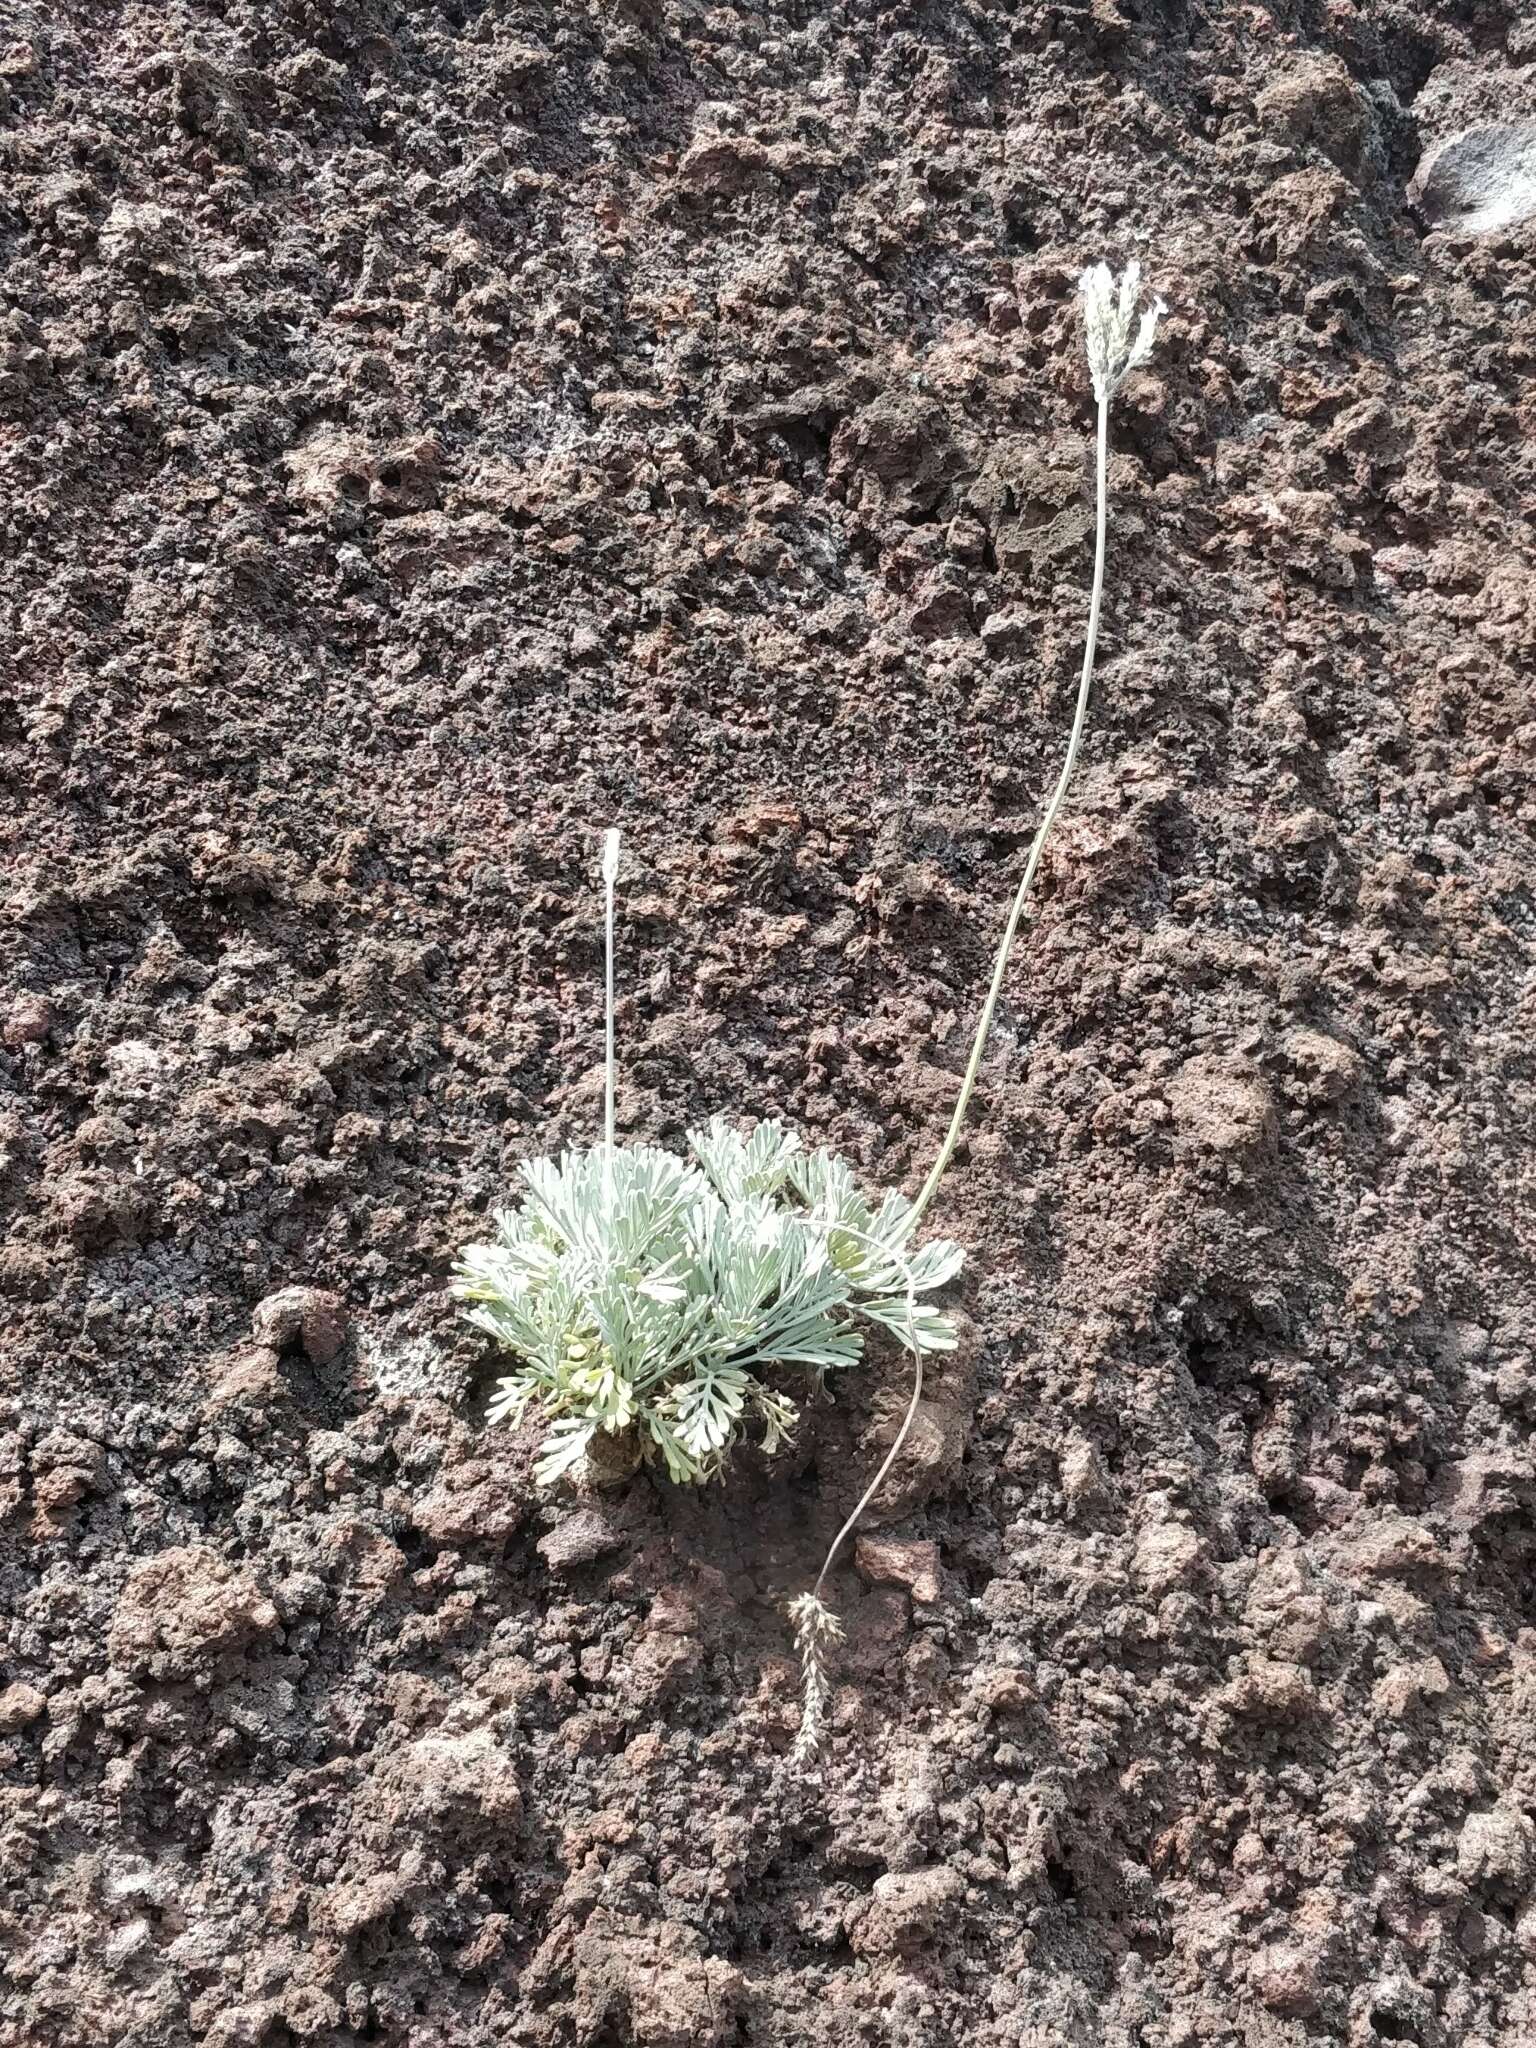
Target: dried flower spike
point(1117, 339)
point(817, 1628)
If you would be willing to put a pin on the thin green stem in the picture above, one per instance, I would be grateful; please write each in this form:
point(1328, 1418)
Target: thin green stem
point(1010, 931)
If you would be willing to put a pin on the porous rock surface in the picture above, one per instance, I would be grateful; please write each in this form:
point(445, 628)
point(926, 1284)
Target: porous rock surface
point(432, 432)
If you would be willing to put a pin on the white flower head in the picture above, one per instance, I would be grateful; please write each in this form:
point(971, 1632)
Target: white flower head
point(1117, 339)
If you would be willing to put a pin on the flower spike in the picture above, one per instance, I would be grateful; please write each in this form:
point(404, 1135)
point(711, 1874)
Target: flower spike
point(1117, 340)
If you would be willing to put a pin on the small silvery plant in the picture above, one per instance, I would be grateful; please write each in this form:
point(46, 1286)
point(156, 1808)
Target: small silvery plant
point(668, 1305)
point(679, 1302)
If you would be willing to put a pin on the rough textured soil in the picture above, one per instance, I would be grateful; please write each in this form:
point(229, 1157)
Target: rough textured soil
point(429, 433)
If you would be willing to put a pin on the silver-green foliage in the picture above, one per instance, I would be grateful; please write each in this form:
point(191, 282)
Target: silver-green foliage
point(641, 1291)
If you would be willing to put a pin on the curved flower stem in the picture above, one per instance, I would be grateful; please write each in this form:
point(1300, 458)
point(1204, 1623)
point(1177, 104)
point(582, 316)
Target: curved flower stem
point(878, 1481)
point(874, 1244)
point(1010, 931)
point(817, 1628)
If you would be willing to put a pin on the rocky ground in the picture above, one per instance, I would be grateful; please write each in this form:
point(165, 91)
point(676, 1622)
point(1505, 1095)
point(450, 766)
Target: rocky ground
point(432, 432)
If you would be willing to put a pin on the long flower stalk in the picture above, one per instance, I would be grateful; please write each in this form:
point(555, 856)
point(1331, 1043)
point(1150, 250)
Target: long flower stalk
point(1114, 349)
point(1118, 335)
point(817, 1627)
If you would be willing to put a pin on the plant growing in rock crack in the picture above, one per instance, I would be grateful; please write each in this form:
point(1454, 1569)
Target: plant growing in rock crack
point(662, 1305)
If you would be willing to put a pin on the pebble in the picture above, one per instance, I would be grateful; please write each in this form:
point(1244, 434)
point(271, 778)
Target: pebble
point(887, 1561)
point(312, 1316)
point(579, 1539)
point(1167, 1554)
point(1285, 1979)
point(1480, 181)
point(28, 1022)
point(19, 1704)
point(1498, 1846)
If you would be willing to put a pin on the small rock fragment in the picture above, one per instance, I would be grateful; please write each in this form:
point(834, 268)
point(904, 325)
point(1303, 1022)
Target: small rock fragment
point(474, 1501)
point(251, 1373)
point(1083, 1478)
point(135, 1065)
point(1322, 1069)
point(579, 1539)
point(441, 1775)
point(183, 1606)
point(1270, 1691)
point(126, 1942)
point(28, 1022)
point(1516, 1386)
point(1400, 2009)
point(1009, 631)
point(1408, 1686)
point(1497, 1847)
point(1392, 1547)
point(611, 1458)
point(906, 1910)
point(1219, 1106)
point(95, 1208)
point(1479, 181)
point(1314, 99)
point(312, 1316)
point(1167, 1554)
point(308, 2012)
point(931, 1454)
point(721, 165)
point(19, 1704)
point(658, 1664)
point(1285, 1979)
point(1479, 1490)
point(1004, 1689)
point(653, 1990)
point(888, 1561)
point(591, 1734)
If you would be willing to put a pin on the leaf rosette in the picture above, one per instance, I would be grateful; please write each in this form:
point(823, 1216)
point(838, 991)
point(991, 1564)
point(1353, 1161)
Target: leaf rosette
point(689, 1299)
